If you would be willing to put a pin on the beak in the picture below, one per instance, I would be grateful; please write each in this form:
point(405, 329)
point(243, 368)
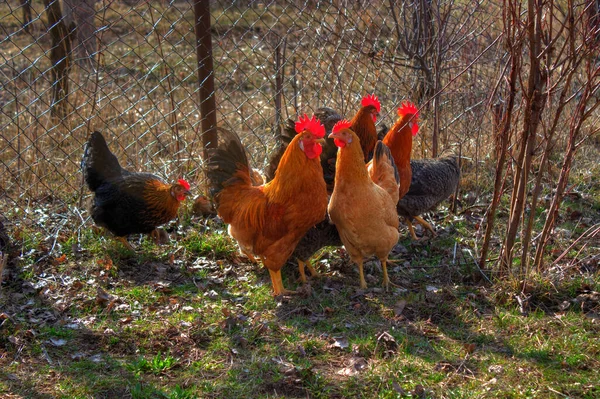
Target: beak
point(187, 192)
point(333, 136)
point(320, 141)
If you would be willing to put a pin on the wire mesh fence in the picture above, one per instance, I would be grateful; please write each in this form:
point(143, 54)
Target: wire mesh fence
point(130, 70)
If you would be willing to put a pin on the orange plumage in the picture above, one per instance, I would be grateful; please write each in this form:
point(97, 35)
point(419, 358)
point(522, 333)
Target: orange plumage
point(399, 141)
point(363, 203)
point(268, 221)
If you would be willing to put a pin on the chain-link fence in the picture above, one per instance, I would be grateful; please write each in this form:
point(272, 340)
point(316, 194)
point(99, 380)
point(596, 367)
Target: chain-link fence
point(130, 69)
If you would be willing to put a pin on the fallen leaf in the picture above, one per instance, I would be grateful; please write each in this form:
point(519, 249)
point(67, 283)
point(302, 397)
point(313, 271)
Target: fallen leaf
point(398, 388)
point(419, 391)
point(399, 307)
point(60, 259)
point(340, 342)
point(469, 348)
point(58, 342)
point(102, 297)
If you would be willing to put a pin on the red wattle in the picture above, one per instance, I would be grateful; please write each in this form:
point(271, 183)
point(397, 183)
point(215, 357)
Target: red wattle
point(339, 143)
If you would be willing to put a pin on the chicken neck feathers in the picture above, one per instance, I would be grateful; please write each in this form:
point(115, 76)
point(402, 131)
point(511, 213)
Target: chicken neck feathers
point(399, 141)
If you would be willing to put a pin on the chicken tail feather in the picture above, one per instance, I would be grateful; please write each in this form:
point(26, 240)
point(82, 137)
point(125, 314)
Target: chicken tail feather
point(98, 163)
point(227, 163)
point(383, 170)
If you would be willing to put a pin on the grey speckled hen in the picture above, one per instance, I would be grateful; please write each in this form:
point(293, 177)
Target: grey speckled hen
point(433, 180)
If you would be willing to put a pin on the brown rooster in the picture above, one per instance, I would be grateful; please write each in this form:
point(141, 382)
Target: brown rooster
point(363, 203)
point(324, 233)
point(268, 221)
point(127, 202)
point(424, 183)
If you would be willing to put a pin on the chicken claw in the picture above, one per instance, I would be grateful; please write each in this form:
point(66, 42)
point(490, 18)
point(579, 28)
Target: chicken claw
point(124, 241)
point(159, 236)
point(423, 223)
point(386, 279)
point(278, 288)
point(310, 268)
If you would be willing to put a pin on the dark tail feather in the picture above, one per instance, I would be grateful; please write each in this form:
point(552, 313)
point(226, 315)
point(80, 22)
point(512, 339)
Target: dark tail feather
point(98, 163)
point(382, 150)
point(287, 135)
point(328, 117)
point(224, 161)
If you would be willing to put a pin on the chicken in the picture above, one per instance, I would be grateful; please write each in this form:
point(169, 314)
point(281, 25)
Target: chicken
point(399, 141)
point(433, 180)
point(363, 203)
point(203, 207)
point(363, 124)
point(325, 234)
point(268, 221)
point(424, 183)
point(126, 202)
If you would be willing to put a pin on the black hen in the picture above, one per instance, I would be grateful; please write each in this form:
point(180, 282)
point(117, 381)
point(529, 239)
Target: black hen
point(125, 202)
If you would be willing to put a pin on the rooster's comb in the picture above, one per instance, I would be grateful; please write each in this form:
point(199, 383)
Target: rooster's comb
point(184, 184)
point(313, 125)
point(343, 124)
point(408, 108)
point(371, 99)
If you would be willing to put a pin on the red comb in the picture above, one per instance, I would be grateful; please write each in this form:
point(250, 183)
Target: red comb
point(184, 184)
point(408, 108)
point(343, 124)
point(371, 99)
point(313, 125)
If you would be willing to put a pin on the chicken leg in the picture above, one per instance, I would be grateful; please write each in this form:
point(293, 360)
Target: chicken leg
point(159, 236)
point(126, 243)
point(310, 268)
point(278, 288)
point(363, 283)
point(422, 222)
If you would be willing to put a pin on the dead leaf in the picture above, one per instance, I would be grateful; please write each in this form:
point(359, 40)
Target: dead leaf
point(399, 307)
point(419, 391)
point(341, 342)
point(60, 259)
point(102, 297)
point(57, 342)
point(469, 348)
point(398, 388)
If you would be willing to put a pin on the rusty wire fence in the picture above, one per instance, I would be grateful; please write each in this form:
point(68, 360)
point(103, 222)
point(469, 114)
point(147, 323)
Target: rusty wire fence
point(130, 69)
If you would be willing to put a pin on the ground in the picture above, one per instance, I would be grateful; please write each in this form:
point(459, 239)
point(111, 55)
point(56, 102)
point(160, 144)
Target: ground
point(195, 319)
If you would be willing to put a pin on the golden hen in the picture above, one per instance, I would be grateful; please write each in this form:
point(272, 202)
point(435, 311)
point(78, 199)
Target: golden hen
point(363, 203)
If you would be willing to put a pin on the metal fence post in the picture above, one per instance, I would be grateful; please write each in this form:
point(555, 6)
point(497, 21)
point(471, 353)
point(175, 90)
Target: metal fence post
point(208, 111)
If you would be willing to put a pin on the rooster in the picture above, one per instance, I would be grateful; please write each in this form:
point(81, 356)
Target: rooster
point(268, 221)
point(363, 203)
point(424, 183)
point(324, 234)
point(127, 202)
point(363, 124)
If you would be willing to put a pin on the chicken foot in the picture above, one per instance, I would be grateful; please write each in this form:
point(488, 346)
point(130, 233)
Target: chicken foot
point(277, 282)
point(310, 268)
point(386, 279)
point(124, 241)
point(420, 221)
point(159, 236)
